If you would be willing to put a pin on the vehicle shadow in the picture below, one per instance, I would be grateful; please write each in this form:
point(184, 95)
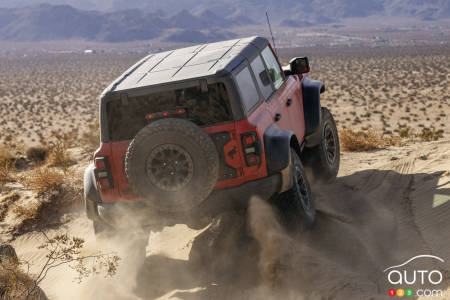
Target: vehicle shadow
point(366, 222)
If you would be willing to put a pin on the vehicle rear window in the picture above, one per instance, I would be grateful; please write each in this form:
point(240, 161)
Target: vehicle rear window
point(202, 108)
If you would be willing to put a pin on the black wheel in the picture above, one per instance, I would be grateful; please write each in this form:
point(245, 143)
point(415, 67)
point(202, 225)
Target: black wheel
point(296, 206)
point(172, 164)
point(324, 159)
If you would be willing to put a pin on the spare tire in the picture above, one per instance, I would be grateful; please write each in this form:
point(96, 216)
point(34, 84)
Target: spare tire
point(172, 164)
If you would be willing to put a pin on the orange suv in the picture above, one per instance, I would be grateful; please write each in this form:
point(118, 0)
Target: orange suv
point(192, 132)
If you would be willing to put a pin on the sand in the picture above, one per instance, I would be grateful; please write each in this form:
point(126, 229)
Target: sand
point(379, 212)
point(386, 206)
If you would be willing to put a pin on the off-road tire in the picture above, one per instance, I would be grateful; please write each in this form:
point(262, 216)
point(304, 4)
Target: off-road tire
point(199, 157)
point(293, 211)
point(324, 159)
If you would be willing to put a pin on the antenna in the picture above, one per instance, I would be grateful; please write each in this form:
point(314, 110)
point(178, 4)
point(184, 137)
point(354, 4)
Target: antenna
point(270, 28)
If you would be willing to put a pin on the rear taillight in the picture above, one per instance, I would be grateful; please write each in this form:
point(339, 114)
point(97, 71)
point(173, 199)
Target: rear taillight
point(102, 173)
point(252, 148)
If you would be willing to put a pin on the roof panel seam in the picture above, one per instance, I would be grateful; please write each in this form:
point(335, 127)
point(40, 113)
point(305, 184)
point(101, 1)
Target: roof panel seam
point(160, 61)
point(224, 54)
point(188, 61)
point(131, 71)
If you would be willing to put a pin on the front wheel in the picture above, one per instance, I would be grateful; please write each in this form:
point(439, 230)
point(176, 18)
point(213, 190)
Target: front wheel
point(296, 206)
point(324, 159)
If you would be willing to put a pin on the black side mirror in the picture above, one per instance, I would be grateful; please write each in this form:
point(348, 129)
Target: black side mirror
point(299, 65)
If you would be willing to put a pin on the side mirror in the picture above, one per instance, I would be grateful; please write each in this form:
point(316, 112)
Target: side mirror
point(299, 65)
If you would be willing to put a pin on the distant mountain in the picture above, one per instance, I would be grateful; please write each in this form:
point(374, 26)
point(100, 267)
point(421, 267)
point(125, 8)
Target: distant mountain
point(128, 20)
point(58, 22)
point(255, 9)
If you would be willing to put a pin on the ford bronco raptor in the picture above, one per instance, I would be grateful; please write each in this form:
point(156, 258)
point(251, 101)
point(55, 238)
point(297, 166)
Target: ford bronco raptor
point(195, 131)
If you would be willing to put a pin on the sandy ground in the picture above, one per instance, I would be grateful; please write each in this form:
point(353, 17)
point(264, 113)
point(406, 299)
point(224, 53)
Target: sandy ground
point(386, 89)
point(386, 207)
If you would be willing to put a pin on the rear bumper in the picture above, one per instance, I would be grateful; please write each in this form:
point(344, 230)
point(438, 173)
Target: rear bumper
point(218, 201)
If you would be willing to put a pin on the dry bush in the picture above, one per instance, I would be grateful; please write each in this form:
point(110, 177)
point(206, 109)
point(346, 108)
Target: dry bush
point(5, 155)
point(360, 140)
point(6, 203)
point(59, 156)
point(366, 140)
point(16, 284)
point(37, 154)
point(5, 173)
point(428, 135)
point(42, 180)
point(90, 139)
point(60, 250)
point(54, 199)
point(405, 133)
point(67, 138)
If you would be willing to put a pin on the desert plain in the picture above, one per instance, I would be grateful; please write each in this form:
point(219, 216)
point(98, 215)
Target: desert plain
point(389, 203)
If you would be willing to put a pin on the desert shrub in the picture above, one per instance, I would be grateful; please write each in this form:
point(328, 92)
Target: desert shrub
point(42, 180)
point(60, 250)
point(405, 132)
point(59, 156)
point(428, 135)
point(366, 140)
point(68, 138)
point(360, 140)
point(90, 139)
point(54, 199)
point(6, 203)
point(5, 155)
point(5, 174)
point(16, 284)
point(37, 154)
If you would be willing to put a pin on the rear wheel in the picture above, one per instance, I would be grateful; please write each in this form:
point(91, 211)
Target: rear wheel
point(324, 159)
point(173, 165)
point(296, 206)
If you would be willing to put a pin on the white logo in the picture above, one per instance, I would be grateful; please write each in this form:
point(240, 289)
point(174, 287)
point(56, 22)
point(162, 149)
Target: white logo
point(400, 276)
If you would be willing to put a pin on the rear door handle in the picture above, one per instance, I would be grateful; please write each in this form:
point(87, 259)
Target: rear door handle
point(288, 102)
point(277, 117)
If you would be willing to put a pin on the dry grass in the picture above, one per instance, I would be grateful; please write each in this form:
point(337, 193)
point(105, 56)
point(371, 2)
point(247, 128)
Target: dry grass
point(59, 156)
point(37, 154)
point(90, 139)
point(42, 180)
point(16, 284)
point(428, 135)
point(6, 167)
point(366, 140)
point(5, 174)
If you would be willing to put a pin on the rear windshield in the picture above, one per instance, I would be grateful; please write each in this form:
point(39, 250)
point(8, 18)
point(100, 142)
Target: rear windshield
point(203, 108)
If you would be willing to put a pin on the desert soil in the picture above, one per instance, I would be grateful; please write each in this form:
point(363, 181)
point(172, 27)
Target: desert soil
point(386, 207)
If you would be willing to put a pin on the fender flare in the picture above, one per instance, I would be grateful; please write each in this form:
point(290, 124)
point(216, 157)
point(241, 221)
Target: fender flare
point(91, 195)
point(277, 147)
point(311, 90)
